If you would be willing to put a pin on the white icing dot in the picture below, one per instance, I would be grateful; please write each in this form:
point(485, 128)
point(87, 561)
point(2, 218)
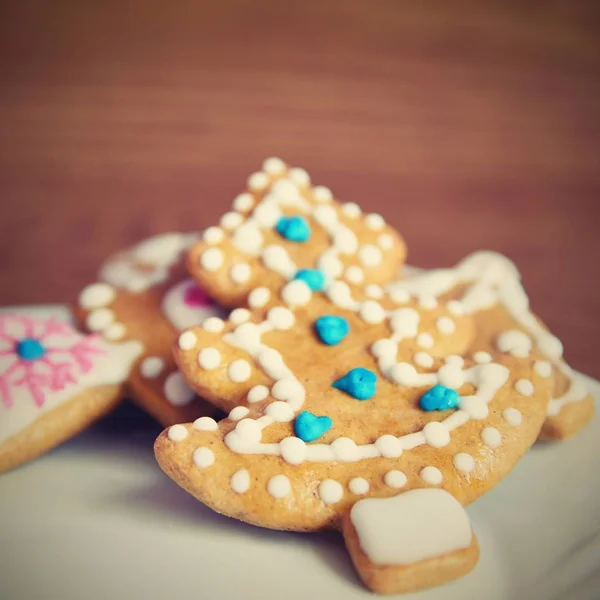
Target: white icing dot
point(512, 416)
point(322, 193)
point(243, 202)
point(331, 491)
point(445, 325)
point(177, 433)
point(543, 368)
point(299, 176)
point(345, 449)
point(231, 220)
point(404, 374)
point(177, 391)
point(354, 275)
point(212, 259)
point(296, 293)
point(551, 346)
point(258, 393)
point(358, 486)
point(240, 273)
point(273, 166)
point(456, 308)
point(436, 435)
point(427, 302)
point(455, 360)
point(395, 479)
point(239, 316)
point(152, 367)
point(239, 412)
point(400, 296)
point(422, 359)
point(374, 291)
point(280, 412)
point(209, 358)
point(524, 387)
point(203, 457)
point(389, 446)
point(281, 318)
point(289, 390)
point(96, 295)
point(205, 424)
point(259, 297)
point(474, 406)
point(431, 475)
point(249, 429)
point(372, 312)
point(187, 340)
point(331, 265)
point(491, 437)
point(240, 481)
point(451, 376)
point(248, 237)
point(370, 255)
point(463, 462)
point(213, 325)
point(385, 241)
point(375, 221)
point(482, 358)
point(213, 235)
point(99, 319)
point(279, 486)
point(115, 331)
point(425, 340)
point(514, 342)
point(258, 181)
point(239, 370)
point(293, 450)
point(385, 348)
point(405, 322)
point(351, 210)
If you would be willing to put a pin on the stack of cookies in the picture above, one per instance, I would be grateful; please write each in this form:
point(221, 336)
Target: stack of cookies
point(359, 395)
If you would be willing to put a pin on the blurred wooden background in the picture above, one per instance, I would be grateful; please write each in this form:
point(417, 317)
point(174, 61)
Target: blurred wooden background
point(467, 125)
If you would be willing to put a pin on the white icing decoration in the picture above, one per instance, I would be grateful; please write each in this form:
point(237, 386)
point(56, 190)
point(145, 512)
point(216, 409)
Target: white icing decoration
point(491, 437)
point(114, 332)
point(239, 371)
point(239, 316)
point(231, 220)
point(351, 210)
point(259, 297)
point(212, 259)
point(279, 486)
point(512, 416)
point(543, 368)
point(322, 193)
point(428, 302)
point(280, 412)
point(514, 342)
point(524, 387)
point(372, 312)
point(258, 181)
point(240, 273)
point(374, 291)
point(355, 275)
point(296, 293)
point(213, 235)
point(240, 481)
point(463, 462)
point(209, 358)
point(151, 367)
point(395, 479)
point(358, 486)
point(299, 176)
point(385, 241)
point(451, 376)
point(100, 319)
point(375, 221)
point(187, 340)
point(277, 259)
point(331, 491)
point(422, 359)
point(425, 340)
point(431, 475)
point(370, 255)
point(243, 202)
point(445, 325)
point(258, 393)
point(96, 295)
point(177, 391)
point(455, 360)
point(205, 424)
point(239, 412)
point(281, 318)
point(456, 308)
point(203, 457)
point(273, 166)
point(399, 296)
point(482, 357)
point(177, 433)
point(213, 325)
point(436, 435)
point(293, 450)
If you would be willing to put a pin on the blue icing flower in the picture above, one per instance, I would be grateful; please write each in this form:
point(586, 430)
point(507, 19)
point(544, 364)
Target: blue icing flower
point(332, 329)
point(358, 383)
point(313, 278)
point(309, 427)
point(439, 397)
point(30, 349)
point(294, 229)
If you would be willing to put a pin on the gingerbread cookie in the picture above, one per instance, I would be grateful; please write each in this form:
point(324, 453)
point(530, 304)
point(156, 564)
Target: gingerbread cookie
point(144, 294)
point(489, 286)
point(54, 382)
point(282, 230)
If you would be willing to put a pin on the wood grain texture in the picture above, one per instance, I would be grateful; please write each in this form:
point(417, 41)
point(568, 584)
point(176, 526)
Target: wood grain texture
point(468, 125)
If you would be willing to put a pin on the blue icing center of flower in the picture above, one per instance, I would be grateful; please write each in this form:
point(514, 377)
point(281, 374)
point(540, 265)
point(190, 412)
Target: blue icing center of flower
point(313, 278)
point(358, 383)
point(331, 329)
point(309, 427)
point(439, 397)
point(294, 229)
point(30, 349)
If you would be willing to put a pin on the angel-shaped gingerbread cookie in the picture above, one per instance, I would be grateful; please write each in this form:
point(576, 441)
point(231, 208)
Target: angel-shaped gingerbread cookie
point(349, 407)
point(144, 294)
point(54, 382)
point(488, 285)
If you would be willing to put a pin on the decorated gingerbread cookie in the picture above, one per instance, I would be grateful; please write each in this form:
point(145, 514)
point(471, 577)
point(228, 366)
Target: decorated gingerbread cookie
point(488, 285)
point(144, 295)
point(282, 229)
point(54, 382)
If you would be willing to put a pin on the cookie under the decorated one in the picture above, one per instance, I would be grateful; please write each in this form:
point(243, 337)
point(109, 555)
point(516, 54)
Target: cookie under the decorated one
point(144, 294)
point(352, 405)
point(54, 382)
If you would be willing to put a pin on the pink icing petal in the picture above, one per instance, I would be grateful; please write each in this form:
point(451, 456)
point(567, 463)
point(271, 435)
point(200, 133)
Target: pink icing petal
point(194, 296)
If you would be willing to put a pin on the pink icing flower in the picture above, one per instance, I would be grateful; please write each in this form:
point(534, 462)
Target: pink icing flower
point(41, 356)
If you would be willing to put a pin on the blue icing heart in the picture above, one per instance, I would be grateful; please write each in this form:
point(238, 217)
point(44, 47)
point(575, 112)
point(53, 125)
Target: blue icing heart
point(439, 397)
point(332, 329)
point(309, 427)
point(358, 383)
point(294, 229)
point(313, 278)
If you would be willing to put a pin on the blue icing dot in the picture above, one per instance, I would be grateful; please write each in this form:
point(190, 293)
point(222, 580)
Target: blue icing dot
point(294, 229)
point(309, 427)
point(439, 397)
point(313, 278)
point(358, 383)
point(30, 349)
point(331, 329)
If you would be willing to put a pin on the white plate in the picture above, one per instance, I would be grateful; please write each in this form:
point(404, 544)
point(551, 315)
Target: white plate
point(96, 519)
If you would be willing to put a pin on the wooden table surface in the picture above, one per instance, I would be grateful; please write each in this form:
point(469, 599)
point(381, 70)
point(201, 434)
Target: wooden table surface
point(466, 125)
